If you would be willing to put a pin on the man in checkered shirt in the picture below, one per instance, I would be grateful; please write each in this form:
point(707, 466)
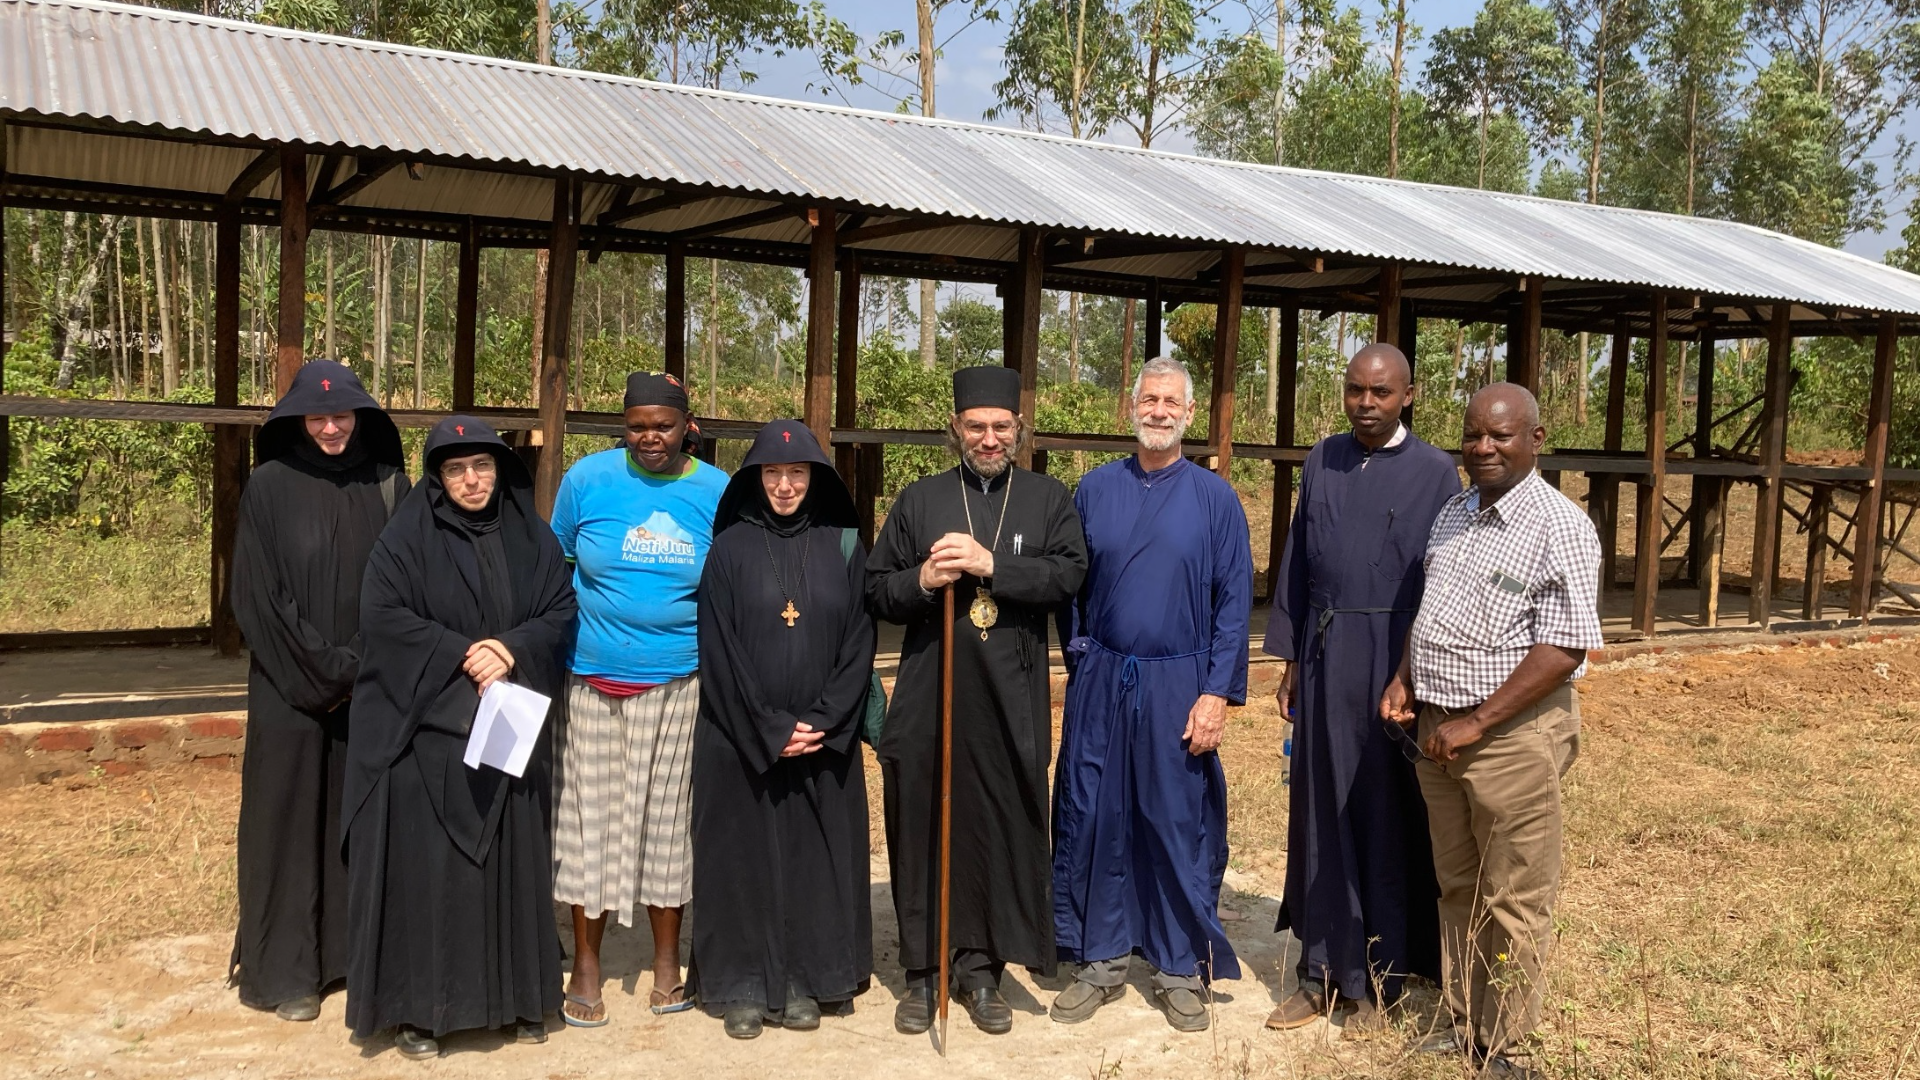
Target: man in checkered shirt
point(1509, 612)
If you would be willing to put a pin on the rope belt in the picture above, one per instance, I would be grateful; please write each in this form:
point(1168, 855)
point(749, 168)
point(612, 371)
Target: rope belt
point(1130, 667)
point(1326, 620)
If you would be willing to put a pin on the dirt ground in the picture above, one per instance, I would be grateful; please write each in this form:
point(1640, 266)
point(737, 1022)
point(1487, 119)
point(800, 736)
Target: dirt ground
point(1742, 899)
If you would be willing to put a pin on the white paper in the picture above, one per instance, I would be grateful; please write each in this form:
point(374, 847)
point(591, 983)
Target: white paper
point(506, 727)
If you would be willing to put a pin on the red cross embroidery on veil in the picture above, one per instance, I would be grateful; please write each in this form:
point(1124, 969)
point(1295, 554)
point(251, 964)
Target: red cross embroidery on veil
point(326, 384)
point(461, 428)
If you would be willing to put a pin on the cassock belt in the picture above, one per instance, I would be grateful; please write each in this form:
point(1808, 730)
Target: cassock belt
point(1326, 620)
point(1130, 667)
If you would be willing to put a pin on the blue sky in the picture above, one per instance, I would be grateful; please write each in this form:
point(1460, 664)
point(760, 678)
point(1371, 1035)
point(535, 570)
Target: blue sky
point(971, 65)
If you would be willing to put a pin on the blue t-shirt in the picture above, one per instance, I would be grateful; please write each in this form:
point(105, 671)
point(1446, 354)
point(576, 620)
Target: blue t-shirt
point(638, 543)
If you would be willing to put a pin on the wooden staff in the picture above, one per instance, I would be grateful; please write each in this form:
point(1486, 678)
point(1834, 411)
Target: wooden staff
point(946, 799)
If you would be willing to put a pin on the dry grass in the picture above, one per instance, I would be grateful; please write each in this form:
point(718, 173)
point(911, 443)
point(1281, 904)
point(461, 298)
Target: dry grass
point(66, 579)
point(92, 865)
point(1741, 898)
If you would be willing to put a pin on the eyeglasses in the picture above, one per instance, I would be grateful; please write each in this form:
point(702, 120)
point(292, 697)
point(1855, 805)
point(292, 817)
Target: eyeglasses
point(483, 468)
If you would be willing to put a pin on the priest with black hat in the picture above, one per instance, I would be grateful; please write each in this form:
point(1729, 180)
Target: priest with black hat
point(1009, 543)
point(328, 475)
point(784, 926)
point(450, 865)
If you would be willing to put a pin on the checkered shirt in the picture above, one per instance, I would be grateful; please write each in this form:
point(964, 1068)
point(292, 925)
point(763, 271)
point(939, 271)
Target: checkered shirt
point(1500, 580)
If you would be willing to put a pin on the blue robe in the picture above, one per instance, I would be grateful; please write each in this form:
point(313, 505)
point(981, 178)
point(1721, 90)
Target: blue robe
point(1140, 824)
point(1360, 892)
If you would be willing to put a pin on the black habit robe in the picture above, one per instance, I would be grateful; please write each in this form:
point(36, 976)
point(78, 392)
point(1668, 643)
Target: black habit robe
point(451, 869)
point(781, 885)
point(1360, 891)
point(1002, 726)
point(307, 521)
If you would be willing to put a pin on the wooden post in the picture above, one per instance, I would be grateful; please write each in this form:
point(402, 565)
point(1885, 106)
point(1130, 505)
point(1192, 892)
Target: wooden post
point(675, 352)
point(1773, 452)
point(291, 352)
point(466, 318)
point(6, 308)
point(1652, 491)
point(1386, 312)
point(873, 467)
point(1712, 524)
point(846, 401)
point(1866, 521)
point(229, 440)
point(1283, 435)
point(1020, 327)
point(1226, 353)
point(562, 265)
point(1410, 344)
point(823, 252)
point(1819, 513)
point(1603, 495)
point(1156, 316)
point(1704, 487)
point(1523, 336)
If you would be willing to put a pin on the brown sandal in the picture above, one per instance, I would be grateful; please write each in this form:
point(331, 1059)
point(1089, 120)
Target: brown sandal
point(1304, 1007)
point(671, 1000)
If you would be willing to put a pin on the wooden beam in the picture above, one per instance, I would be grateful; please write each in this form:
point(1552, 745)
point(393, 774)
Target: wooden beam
point(1819, 512)
point(1020, 325)
point(1712, 525)
point(1773, 451)
point(886, 230)
point(674, 351)
point(229, 440)
point(1702, 447)
point(1603, 494)
point(252, 176)
point(816, 408)
point(1226, 355)
point(623, 211)
point(1652, 489)
point(1386, 311)
point(1287, 404)
point(291, 351)
point(738, 222)
point(365, 172)
point(6, 308)
point(603, 235)
point(466, 318)
point(563, 264)
point(1866, 548)
point(1523, 337)
point(1409, 343)
point(1156, 322)
point(846, 400)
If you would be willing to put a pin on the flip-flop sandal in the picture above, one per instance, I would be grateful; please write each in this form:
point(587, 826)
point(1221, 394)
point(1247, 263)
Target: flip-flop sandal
point(662, 1001)
point(586, 1006)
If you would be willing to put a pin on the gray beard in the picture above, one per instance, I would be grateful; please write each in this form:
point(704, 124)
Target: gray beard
point(986, 470)
point(1158, 440)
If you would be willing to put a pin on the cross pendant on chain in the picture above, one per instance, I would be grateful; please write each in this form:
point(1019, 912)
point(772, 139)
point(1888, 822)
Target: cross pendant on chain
point(790, 614)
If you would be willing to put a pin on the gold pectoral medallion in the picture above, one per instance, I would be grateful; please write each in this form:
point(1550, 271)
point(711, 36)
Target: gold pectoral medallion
point(983, 611)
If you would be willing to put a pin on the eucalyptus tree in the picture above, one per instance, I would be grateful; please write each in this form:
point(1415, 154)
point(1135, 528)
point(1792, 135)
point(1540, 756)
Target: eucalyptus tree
point(1510, 61)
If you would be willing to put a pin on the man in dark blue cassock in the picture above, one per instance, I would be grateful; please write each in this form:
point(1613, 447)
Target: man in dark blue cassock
point(1360, 892)
point(1156, 651)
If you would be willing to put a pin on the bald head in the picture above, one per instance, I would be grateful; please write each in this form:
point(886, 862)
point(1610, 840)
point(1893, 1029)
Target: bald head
point(1379, 385)
point(1501, 439)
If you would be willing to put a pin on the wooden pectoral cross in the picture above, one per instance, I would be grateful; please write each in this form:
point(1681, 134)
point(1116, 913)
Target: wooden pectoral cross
point(790, 614)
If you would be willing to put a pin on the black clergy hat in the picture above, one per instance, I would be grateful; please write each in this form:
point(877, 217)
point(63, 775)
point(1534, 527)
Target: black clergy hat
point(988, 386)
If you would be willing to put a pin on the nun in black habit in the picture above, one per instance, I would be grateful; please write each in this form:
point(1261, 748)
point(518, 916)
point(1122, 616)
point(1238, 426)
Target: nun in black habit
point(782, 915)
point(328, 477)
point(451, 868)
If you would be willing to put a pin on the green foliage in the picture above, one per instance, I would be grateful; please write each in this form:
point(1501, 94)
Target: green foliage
point(1788, 172)
point(1510, 60)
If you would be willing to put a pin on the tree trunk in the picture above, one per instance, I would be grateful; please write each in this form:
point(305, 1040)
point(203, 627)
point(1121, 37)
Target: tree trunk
point(164, 292)
point(146, 310)
point(1126, 363)
point(420, 326)
point(713, 337)
point(1580, 370)
point(1073, 337)
point(332, 351)
point(1273, 365)
point(68, 318)
point(1393, 108)
point(929, 290)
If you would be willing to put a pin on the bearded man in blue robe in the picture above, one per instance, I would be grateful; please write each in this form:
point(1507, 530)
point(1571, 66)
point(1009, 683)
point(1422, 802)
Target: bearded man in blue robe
point(1156, 651)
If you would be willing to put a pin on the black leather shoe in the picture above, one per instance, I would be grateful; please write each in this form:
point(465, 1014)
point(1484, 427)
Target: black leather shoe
point(801, 1014)
point(414, 1043)
point(989, 1010)
point(744, 1023)
point(914, 1014)
point(300, 1009)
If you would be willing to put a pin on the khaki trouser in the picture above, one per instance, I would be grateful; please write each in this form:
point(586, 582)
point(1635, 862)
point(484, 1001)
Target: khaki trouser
point(1494, 816)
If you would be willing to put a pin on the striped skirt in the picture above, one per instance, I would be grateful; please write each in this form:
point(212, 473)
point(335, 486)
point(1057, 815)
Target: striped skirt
point(621, 798)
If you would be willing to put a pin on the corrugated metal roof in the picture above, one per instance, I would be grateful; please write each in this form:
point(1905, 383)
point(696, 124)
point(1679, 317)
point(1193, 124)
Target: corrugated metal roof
point(171, 72)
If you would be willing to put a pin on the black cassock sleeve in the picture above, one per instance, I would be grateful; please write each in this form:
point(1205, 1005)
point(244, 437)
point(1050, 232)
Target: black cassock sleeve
point(1052, 577)
point(539, 644)
point(893, 570)
point(312, 673)
point(732, 690)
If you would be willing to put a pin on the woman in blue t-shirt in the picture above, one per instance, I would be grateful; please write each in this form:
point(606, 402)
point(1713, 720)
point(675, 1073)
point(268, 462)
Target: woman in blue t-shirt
point(636, 521)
